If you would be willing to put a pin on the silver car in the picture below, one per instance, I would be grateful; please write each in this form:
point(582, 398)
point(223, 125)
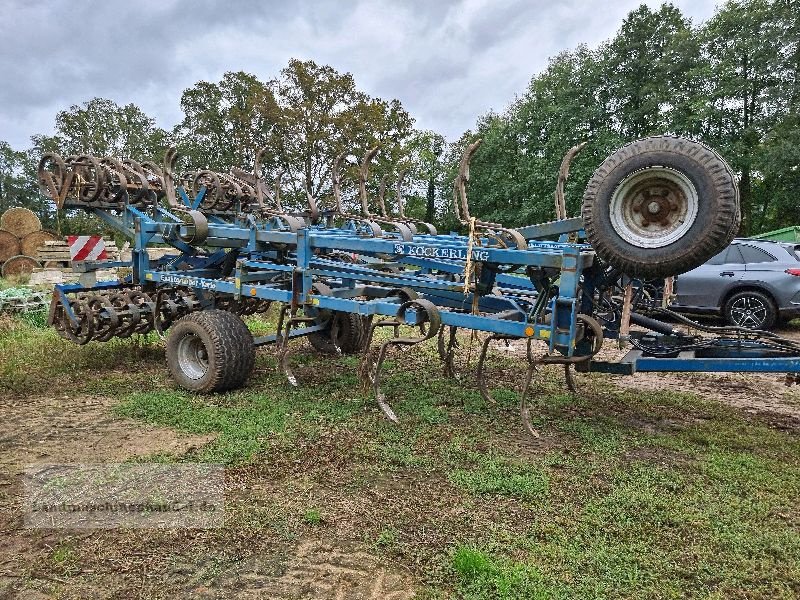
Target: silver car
point(752, 283)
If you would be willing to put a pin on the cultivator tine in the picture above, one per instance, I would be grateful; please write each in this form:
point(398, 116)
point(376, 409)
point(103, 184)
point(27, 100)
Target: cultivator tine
point(524, 404)
point(426, 314)
point(569, 377)
point(283, 345)
point(480, 373)
point(284, 333)
point(447, 350)
point(363, 175)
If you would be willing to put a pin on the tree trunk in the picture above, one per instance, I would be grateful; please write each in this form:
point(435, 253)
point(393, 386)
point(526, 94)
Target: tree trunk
point(430, 207)
point(746, 200)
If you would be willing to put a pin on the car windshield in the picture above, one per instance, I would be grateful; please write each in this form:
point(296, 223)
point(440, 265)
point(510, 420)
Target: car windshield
point(797, 252)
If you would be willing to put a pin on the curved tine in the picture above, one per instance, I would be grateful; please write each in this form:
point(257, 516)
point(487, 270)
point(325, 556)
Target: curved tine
point(524, 405)
point(257, 164)
point(337, 192)
point(399, 188)
point(170, 160)
point(569, 376)
point(446, 353)
point(363, 175)
point(387, 410)
point(479, 375)
point(283, 357)
point(456, 207)
point(463, 177)
point(313, 211)
point(563, 175)
point(381, 194)
point(365, 366)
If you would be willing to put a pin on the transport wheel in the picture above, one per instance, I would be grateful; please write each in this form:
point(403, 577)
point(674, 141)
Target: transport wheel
point(210, 351)
point(661, 206)
point(751, 309)
point(351, 334)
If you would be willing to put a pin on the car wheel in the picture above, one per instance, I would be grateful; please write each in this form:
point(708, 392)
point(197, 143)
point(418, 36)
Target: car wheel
point(751, 309)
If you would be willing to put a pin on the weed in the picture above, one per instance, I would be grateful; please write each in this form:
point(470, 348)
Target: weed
point(313, 516)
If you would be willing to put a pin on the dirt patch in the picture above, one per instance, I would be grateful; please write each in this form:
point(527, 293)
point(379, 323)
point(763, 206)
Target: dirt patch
point(70, 430)
point(316, 568)
point(79, 429)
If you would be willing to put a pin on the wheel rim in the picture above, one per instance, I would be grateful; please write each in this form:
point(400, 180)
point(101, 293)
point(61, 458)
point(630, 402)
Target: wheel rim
point(192, 356)
point(654, 207)
point(749, 311)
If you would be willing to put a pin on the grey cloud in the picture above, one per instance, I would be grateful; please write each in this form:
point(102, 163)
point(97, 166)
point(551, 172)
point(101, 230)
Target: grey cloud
point(448, 62)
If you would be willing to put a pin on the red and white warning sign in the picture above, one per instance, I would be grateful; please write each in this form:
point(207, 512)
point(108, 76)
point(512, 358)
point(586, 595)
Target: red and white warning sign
point(87, 247)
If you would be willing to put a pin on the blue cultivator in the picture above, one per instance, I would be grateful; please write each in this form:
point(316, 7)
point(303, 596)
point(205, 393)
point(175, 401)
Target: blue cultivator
point(654, 208)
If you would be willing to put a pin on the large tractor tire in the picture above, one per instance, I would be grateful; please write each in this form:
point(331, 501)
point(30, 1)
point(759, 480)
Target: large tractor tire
point(210, 351)
point(661, 206)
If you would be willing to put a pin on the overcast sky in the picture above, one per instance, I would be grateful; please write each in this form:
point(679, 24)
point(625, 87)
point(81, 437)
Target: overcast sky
point(447, 61)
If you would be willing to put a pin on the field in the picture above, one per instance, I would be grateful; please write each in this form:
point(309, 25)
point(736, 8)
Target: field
point(650, 487)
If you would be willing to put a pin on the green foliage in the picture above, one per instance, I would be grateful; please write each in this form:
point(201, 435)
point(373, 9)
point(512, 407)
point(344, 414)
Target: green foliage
point(482, 576)
point(18, 183)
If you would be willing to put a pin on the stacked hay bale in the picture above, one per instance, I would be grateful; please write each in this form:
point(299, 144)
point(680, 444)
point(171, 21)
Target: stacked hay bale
point(21, 235)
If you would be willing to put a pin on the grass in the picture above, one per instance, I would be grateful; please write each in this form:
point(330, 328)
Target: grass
point(645, 494)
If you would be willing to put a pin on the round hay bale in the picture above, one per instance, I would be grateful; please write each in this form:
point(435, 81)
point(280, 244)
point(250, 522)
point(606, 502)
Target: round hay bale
point(31, 243)
point(19, 265)
point(20, 221)
point(9, 245)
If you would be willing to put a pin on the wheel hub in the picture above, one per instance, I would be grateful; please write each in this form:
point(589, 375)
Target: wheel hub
point(192, 356)
point(654, 207)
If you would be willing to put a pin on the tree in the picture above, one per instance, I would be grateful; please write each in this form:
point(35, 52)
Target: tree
point(305, 118)
point(324, 114)
point(226, 123)
point(646, 71)
point(101, 127)
point(18, 183)
point(425, 149)
point(746, 58)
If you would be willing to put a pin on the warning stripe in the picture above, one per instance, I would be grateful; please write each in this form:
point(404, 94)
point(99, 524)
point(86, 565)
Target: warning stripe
point(87, 247)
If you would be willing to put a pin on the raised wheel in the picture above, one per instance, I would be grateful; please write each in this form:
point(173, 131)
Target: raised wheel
point(210, 351)
point(661, 206)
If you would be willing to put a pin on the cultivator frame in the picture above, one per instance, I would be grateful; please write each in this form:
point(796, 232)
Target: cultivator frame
point(341, 276)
